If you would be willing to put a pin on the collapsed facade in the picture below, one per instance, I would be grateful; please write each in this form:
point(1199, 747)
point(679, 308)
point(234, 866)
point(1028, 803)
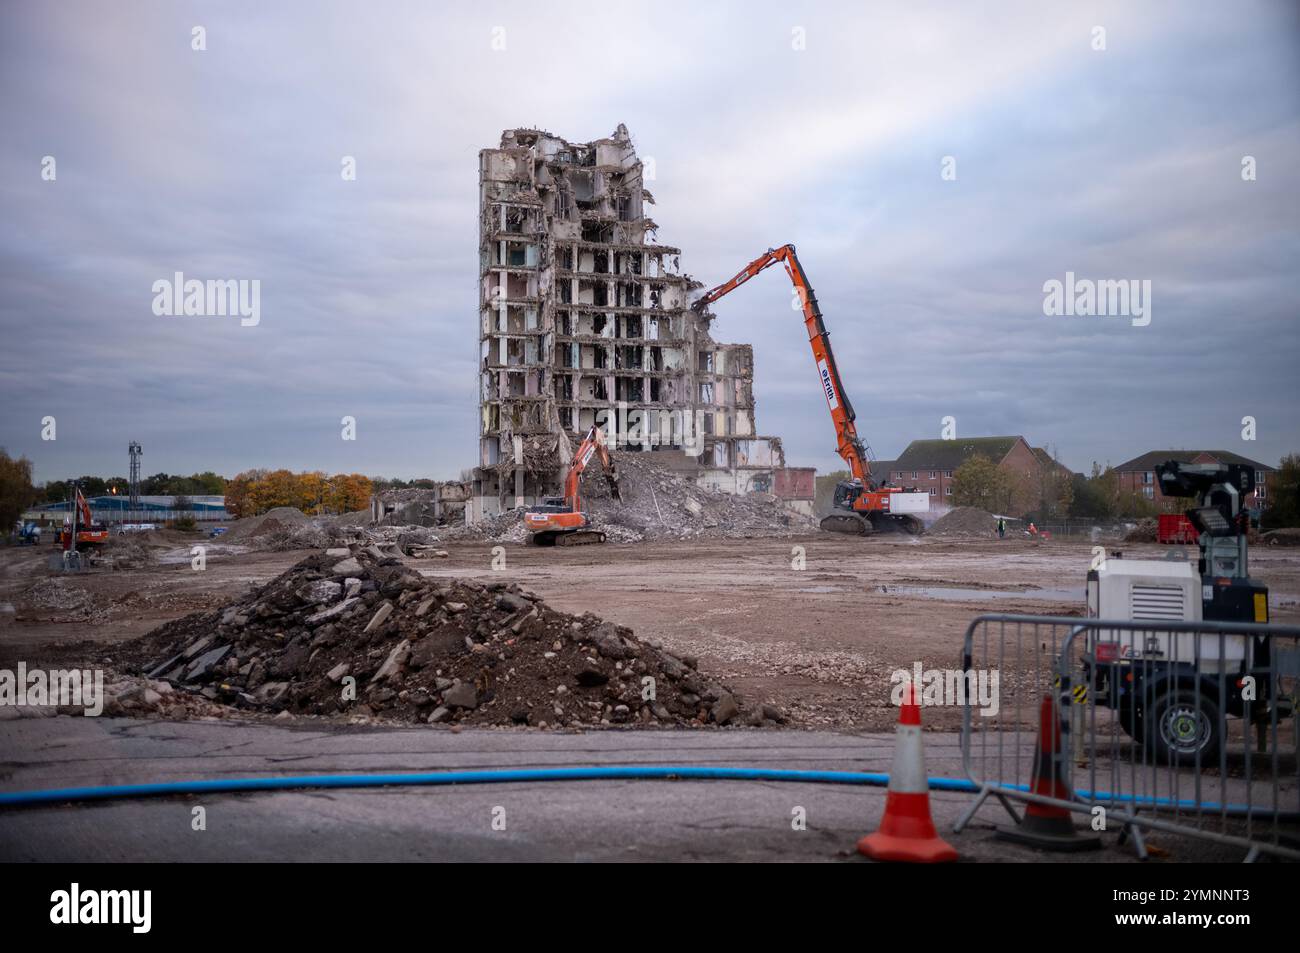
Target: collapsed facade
point(584, 320)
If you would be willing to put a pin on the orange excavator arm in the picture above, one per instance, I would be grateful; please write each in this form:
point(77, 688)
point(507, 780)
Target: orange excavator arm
point(83, 510)
point(593, 444)
point(848, 444)
point(560, 521)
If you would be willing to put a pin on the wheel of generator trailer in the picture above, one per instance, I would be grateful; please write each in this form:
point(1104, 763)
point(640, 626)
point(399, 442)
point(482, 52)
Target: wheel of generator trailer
point(912, 524)
point(1182, 726)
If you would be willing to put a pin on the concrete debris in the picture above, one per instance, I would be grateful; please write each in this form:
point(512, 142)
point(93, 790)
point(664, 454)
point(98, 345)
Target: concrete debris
point(658, 503)
point(127, 552)
point(429, 651)
point(1143, 532)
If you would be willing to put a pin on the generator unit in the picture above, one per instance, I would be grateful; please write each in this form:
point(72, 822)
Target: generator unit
point(1172, 689)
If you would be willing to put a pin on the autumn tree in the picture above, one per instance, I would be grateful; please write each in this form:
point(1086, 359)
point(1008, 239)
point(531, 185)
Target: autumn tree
point(982, 483)
point(256, 491)
point(354, 492)
point(16, 490)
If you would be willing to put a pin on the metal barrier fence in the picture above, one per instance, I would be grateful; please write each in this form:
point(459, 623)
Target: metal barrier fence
point(1182, 727)
point(1087, 528)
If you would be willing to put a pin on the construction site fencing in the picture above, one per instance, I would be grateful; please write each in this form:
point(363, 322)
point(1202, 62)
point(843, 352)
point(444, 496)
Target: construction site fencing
point(1078, 528)
point(1183, 727)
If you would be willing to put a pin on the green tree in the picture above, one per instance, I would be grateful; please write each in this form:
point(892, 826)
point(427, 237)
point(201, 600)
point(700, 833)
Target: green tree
point(55, 491)
point(1284, 508)
point(1054, 486)
point(982, 483)
point(209, 483)
point(155, 485)
point(16, 490)
point(93, 486)
point(1096, 495)
point(824, 494)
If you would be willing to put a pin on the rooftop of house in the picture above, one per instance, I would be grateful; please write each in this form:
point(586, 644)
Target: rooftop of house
point(950, 454)
point(1149, 459)
point(880, 468)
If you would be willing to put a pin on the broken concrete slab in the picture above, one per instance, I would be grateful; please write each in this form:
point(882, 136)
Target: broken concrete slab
point(205, 663)
point(332, 612)
point(461, 695)
point(382, 613)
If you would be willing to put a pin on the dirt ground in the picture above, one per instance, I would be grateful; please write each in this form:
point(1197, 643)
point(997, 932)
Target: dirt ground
point(818, 641)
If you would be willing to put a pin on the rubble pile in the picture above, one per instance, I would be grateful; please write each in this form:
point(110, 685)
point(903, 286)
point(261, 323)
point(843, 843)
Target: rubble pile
point(657, 503)
point(283, 539)
point(964, 521)
point(507, 527)
point(1143, 532)
point(60, 599)
point(286, 528)
point(353, 632)
point(57, 592)
point(135, 551)
point(1282, 537)
point(275, 521)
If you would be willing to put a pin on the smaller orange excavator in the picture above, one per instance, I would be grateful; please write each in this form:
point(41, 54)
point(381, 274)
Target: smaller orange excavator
point(559, 521)
point(89, 533)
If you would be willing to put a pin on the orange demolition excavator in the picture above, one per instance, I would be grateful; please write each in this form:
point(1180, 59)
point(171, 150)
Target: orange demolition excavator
point(861, 505)
point(89, 533)
point(559, 521)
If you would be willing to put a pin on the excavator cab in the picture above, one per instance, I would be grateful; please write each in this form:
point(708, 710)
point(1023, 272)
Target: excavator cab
point(846, 491)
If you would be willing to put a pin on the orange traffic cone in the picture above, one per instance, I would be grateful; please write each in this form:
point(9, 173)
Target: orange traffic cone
point(1047, 826)
point(907, 830)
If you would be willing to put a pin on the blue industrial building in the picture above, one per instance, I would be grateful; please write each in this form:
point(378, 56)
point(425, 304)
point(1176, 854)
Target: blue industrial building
point(152, 509)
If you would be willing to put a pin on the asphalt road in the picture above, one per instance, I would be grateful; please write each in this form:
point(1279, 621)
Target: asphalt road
point(575, 821)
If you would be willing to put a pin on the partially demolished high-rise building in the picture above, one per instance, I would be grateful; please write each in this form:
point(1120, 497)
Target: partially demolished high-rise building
point(584, 319)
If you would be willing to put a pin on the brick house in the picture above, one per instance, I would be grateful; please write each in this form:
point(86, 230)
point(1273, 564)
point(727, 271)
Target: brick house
point(1138, 476)
point(929, 465)
point(882, 470)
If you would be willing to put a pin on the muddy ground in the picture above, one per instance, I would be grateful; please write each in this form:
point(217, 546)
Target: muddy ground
point(820, 642)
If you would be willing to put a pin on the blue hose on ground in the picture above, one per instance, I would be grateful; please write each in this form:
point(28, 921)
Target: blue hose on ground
point(531, 775)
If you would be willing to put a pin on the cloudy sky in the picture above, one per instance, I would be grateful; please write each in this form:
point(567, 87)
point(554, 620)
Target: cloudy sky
point(822, 124)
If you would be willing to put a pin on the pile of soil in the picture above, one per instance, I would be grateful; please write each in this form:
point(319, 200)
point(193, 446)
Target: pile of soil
point(278, 520)
point(964, 521)
point(354, 632)
point(657, 503)
point(1289, 536)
